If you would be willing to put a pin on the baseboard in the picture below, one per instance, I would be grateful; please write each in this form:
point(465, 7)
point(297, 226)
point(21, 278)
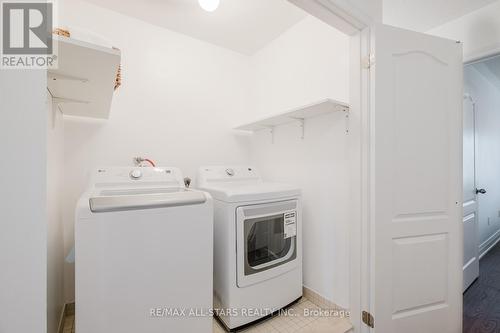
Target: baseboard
point(344, 315)
point(319, 300)
point(61, 319)
point(487, 245)
point(68, 309)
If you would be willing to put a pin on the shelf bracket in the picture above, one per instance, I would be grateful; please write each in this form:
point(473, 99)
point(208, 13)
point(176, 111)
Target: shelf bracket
point(58, 76)
point(302, 122)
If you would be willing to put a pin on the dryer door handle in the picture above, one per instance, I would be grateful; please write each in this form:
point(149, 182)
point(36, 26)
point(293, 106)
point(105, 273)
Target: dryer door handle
point(103, 204)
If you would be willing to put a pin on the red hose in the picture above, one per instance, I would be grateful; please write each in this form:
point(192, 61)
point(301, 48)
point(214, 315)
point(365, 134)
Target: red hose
point(150, 162)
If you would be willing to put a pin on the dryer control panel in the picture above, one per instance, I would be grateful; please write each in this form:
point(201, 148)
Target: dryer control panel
point(215, 174)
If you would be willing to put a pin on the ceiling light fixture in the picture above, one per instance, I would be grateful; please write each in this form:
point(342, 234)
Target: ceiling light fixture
point(209, 5)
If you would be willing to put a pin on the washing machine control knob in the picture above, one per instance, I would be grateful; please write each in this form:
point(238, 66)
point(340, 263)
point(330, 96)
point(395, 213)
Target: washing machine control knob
point(230, 172)
point(135, 174)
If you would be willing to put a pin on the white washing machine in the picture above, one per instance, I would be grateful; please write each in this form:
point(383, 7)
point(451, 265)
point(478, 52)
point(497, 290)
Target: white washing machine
point(257, 243)
point(144, 245)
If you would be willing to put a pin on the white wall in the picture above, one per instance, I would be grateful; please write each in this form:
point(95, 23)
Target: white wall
point(181, 97)
point(23, 222)
point(479, 30)
point(55, 248)
point(297, 69)
point(487, 98)
point(178, 102)
point(308, 63)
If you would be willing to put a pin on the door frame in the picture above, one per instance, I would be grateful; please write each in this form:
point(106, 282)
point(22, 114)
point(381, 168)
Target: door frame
point(347, 18)
point(485, 54)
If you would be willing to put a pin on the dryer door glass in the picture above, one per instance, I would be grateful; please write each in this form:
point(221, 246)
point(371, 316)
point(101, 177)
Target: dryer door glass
point(266, 240)
point(267, 245)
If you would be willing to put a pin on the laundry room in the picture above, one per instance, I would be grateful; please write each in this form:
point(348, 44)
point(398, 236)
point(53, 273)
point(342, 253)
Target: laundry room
point(236, 88)
point(195, 166)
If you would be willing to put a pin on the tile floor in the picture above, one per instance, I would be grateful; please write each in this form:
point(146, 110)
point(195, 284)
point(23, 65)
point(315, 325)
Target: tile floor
point(299, 323)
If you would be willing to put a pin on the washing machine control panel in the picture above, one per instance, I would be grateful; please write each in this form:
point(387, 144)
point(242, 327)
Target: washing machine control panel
point(121, 176)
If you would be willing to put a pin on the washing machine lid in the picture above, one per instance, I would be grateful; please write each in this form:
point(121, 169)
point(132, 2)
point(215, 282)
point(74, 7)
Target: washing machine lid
point(251, 191)
point(116, 189)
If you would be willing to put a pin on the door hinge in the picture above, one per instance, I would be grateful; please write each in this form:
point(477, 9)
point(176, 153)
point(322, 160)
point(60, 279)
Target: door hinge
point(368, 319)
point(368, 61)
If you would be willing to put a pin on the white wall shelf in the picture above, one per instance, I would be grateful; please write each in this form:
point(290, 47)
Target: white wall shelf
point(83, 83)
point(300, 114)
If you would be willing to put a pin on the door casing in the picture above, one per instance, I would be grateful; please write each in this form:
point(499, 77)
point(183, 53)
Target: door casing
point(332, 12)
point(470, 205)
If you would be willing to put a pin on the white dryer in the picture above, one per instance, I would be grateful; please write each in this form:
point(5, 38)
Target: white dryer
point(257, 243)
point(143, 248)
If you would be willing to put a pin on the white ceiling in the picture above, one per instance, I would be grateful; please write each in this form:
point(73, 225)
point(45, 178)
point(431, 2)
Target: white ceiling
point(422, 15)
point(244, 26)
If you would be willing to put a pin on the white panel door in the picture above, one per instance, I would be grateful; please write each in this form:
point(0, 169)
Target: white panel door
point(471, 240)
point(416, 183)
